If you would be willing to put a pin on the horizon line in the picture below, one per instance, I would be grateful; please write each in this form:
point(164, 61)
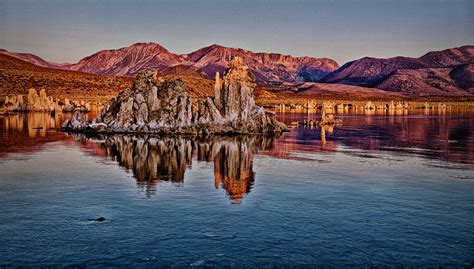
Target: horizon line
point(228, 47)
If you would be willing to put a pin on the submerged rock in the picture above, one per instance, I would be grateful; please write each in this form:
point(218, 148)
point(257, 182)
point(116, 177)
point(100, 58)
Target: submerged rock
point(100, 219)
point(153, 105)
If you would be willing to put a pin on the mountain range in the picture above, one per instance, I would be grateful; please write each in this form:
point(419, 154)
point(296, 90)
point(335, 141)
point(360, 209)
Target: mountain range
point(439, 73)
point(18, 76)
point(130, 60)
point(447, 72)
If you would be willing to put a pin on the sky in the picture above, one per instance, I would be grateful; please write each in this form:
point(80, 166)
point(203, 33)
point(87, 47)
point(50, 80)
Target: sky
point(66, 31)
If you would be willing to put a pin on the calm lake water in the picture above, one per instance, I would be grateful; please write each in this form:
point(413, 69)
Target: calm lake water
point(381, 190)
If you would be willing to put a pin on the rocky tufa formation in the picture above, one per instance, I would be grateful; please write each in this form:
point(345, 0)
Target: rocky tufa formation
point(328, 109)
point(34, 102)
point(31, 102)
point(155, 105)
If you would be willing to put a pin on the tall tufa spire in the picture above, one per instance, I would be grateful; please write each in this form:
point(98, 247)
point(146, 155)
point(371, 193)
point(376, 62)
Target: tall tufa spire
point(217, 91)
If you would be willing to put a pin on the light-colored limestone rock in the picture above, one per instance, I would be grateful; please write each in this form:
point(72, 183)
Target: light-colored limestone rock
point(163, 106)
point(34, 102)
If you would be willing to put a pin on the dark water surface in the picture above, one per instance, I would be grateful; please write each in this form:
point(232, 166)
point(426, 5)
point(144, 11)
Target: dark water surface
point(389, 189)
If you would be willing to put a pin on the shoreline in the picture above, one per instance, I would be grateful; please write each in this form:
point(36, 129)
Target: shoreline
point(412, 103)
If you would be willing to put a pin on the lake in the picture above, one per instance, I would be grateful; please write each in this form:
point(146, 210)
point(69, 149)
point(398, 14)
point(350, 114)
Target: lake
point(384, 189)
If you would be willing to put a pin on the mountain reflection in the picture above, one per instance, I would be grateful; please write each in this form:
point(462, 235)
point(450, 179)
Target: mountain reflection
point(155, 160)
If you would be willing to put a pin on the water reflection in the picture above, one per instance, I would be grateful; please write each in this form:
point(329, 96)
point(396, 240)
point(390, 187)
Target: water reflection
point(443, 134)
point(34, 124)
point(233, 166)
point(159, 159)
point(429, 133)
point(27, 132)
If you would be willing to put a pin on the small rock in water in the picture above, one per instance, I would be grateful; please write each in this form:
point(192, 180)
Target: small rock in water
point(100, 219)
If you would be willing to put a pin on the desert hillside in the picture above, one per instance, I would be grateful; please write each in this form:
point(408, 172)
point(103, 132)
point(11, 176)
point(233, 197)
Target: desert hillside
point(17, 76)
point(437, 73)
point(128, 61)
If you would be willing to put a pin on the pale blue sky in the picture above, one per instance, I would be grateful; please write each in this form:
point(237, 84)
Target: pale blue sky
point(65, 31)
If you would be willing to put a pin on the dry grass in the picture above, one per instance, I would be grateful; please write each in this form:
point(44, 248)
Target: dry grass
point(17, 76)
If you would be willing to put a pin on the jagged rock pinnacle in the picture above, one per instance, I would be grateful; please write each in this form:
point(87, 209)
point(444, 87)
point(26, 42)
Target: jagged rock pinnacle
point(154, 105)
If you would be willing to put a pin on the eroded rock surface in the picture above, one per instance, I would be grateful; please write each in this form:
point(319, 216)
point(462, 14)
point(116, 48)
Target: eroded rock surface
point(154, 105)
point(31, 102)
point(34, 102)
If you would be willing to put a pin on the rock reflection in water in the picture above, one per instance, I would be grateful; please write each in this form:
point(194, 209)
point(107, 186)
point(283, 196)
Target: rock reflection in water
point(155, 160)
point(442, 134)
point(233, 163)
point(34, 124)
point(28, 132)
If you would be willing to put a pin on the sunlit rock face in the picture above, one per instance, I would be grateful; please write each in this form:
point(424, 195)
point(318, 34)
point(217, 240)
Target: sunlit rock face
point(155, 160)
point(31, 102)
point(149, 106)
point(34, 102)
point(162, 106)
point(236, 97)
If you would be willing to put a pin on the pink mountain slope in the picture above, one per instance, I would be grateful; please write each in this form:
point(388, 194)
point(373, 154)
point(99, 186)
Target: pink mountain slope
point(130, 60)
point(369, 71)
